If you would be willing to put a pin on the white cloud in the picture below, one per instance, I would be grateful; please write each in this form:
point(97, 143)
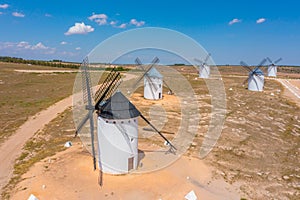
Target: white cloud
point(136, 23)
point(26, 49)
point(18, 14)
point(113, 23)
point(39, 46)
point(79, 28)
point(234, 21)
point(4, 6)
point(63, 43)
point(48, 15)
point(122, 25)
point(24, 45)
point(77, 48)
point(100, 19)
point(1, 13)
point(260, 20)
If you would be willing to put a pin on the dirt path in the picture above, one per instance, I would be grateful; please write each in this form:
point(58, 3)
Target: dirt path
point(291, 86)
point(12, 148)
point(292, 90)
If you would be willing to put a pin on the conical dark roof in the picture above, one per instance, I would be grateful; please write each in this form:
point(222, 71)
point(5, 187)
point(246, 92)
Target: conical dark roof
point(118, 107)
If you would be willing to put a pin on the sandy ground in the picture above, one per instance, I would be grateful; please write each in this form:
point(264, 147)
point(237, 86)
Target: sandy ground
point(292, 89)
point(11, 148)
point(69, 175)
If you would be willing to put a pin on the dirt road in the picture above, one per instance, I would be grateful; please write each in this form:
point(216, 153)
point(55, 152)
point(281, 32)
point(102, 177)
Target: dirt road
point(291, 86)
point(11, 149)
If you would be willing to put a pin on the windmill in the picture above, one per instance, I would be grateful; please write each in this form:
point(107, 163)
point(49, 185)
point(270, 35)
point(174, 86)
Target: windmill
point(153, 81)
point(116, 124)
point(272, 67)
point(255, 77)
point(204, 69)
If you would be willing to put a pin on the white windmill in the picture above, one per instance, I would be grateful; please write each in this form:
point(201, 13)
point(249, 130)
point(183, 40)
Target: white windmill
point(117, 124)
point(256, 79)
point(204, 68)
point(272, 67)
point(118, 135)
point(153, 81)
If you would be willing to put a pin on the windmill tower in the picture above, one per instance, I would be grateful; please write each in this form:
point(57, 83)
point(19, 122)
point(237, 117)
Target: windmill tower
point(255, 78)
point(204, 69)
point(117, 121)
point(272, 67)
point(153, 81)
point(153, 84)
point(118, 135)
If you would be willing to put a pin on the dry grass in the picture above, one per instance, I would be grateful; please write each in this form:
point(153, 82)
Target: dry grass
point(24, 94)
point(260, 141)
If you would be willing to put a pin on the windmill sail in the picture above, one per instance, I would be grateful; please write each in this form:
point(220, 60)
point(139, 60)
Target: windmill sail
point(154, 62)
point(139, 63)
point(168, 142)
point(88, 99)
point(108, 87)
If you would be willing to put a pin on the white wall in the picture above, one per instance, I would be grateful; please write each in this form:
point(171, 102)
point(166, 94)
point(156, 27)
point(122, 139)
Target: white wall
point(204, 71)
point(256, 83)
point(272, 71)
point(153, 88)
point(117, 141)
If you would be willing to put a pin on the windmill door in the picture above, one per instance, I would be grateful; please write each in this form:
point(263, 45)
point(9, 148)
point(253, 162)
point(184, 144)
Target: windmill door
point(159, 95)
point(130, 163)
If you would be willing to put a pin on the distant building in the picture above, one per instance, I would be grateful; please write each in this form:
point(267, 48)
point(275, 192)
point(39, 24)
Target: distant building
point(272, 70)
point(204, 71)
point(153, 84)
point(256, 80)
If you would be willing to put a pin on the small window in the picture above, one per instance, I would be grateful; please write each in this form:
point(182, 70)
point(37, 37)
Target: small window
point(131, 139)
point(106, 121)
point(114, 122)
point(128, 121)
point(122, 122)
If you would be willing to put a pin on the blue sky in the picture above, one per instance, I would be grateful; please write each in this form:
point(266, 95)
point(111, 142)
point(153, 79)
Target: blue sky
point(230, 30)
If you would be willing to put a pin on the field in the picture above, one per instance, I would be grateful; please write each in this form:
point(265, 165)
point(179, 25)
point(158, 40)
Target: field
point(25, 94)
point(256, 157)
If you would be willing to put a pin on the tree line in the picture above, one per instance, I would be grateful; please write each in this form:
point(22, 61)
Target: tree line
point(52, 63)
